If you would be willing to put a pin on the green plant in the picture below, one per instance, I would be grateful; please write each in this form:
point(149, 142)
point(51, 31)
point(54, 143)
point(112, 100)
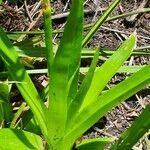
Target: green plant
point(70, 110)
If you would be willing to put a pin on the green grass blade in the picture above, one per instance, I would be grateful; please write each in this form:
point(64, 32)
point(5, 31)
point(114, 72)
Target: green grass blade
point(46, 8)
point(32, 126)
point(86, 52)
point(18, 73)
point(94, 144)
point(122, 69)
point(12, 34)
point(139, 127)
point(108, 69)
point(64, 66)
point(6, 114)
point(2, 65)
point(126, 14)
point(100, 21)
point(121, 16)
point(77, 102)
point(139, 51)
point(31, 51)
point(92, 113)
point(17, 115)
point(130, 69)
point(83, 70)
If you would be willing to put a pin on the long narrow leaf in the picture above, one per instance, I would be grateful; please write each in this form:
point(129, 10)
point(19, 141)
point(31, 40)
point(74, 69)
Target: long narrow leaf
point(64, 66)
point(78, 100)
point(6, 114)
point(122, 69)
point(83, 70)
point(94, 144)
point(86, 52)
point(25, 85)
point(100, 21)
point(108, 69)
point(139, 127)
point(92, 113)
point(12, 139)
point(46, 8)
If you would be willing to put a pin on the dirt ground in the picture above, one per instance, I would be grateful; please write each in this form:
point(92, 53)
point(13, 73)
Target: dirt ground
point(26, 16)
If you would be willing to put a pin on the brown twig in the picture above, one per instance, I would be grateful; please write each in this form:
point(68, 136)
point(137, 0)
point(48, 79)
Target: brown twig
point(86, 11)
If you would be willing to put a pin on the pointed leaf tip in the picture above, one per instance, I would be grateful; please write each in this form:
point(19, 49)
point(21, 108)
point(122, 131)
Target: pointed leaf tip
point(133, 37)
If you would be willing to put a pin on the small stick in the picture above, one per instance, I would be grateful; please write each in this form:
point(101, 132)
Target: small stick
point(142, 5)
point(27, 11)
point(17, 115)
point(64, 15)
point(33, 11)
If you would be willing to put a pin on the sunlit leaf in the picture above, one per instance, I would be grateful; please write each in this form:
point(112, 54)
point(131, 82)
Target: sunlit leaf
point(25, 85)
point(94, 144)
point(139, 127)
point(65, 65)
point(105, 102)
point(12, 139)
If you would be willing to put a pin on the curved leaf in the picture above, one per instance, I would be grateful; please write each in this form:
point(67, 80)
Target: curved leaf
point(78, 100)
point(13, 139)
point(113, 97)
point(139, 127)
point(94, 144)
point(104, 73)
point(25, 85)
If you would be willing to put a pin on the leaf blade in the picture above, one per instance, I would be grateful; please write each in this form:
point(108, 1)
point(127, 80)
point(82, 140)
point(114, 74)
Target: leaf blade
point(13, 139)
point(25, 85)
point(95, 144)
point(78, 100)
point(100, 21)
point(65, 64)
point(109, 100)
point(6, 114)
point(139, 127)
point(108, 69)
